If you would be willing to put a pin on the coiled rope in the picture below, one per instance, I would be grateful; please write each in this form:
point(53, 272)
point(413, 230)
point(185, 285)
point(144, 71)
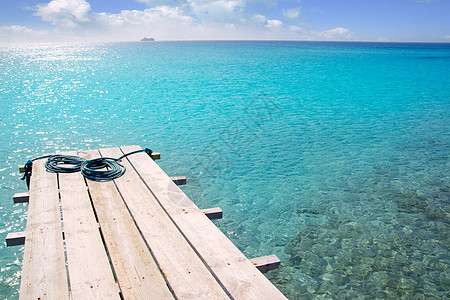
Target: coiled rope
point(63, 163)
point(91, 169)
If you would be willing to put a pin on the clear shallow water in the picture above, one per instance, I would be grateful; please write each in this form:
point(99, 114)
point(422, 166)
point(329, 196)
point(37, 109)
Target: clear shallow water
point(333, 156)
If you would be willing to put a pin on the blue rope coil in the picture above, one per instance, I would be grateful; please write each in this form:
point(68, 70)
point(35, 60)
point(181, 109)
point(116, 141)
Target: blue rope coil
point(64, 163)
point(91, 169)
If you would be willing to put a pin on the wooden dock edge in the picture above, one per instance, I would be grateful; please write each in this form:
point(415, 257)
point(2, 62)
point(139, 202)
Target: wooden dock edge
point(213, 213)
point(266, 263)
point(21, 197)
point(179, 180)
point(155, 156)
point(236, 273)
point(15, 239)
point(263, 264)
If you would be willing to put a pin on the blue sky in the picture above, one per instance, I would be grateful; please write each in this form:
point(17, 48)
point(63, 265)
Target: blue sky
point(129, 20)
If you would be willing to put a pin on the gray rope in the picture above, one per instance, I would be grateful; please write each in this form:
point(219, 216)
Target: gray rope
point(91, 169)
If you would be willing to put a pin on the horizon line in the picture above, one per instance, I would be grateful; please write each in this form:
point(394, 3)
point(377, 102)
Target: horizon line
point(225, 40)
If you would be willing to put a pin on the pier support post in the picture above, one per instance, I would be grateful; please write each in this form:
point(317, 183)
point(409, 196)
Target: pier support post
point(15, 239)
point(179, 180)
point(21, 197)
point(213, 213)
point(156, 155)
point(266, 263)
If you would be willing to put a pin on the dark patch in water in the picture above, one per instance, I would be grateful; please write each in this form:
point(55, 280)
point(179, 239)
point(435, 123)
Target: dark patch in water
point(433, 57)
point(307, 211)
point(392, 254)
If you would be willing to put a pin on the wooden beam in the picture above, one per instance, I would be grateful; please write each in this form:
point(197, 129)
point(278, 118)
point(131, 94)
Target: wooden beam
point(21, 197)
point(236, 273)
point(90, 273)
point(44, 268)
point(179, 180)
point(137, 273)
point(213, 213)
point(15, 239)
point(266, 263)
point(156, 155)
point(187, 274)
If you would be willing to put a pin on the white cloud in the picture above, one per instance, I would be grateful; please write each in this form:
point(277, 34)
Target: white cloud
point(74, 20)
point(336, 34)
point(446, 37)
point(17, 33)
point(189, 19)
point(65, 13)
point(274, 25)
point(155, 3)
point(258, 19)
point(294, 28)
point(292, 13)
point(218, 10)
point(16, 29)
point(165, 21)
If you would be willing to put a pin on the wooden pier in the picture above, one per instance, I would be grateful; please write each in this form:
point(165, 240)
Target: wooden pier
point(137, 237)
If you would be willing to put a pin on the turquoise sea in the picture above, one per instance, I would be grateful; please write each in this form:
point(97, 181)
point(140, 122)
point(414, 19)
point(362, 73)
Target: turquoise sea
point(333, 156)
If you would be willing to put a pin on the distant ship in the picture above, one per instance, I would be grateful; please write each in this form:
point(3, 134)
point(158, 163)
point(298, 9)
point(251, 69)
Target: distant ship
point(148, 40)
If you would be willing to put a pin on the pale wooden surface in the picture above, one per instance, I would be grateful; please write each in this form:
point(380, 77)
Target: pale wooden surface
point(138, 235)
point(90, 273)
point(21, 197)
point(15, 238)
point(179, 180)
point(266, 263)
point(43, 270)
point(137, 273)
point(238, 275)
point(213, 213)
point(188, 276)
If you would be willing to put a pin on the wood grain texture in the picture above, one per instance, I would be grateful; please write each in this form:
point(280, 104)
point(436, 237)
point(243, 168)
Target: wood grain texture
point(15, 239)
point(21, 197)
point(235, 271)
point(43, 271)
point(90, 273)
point(188, 276)
point(137, 273)
point(139, 234)
point(266, 263)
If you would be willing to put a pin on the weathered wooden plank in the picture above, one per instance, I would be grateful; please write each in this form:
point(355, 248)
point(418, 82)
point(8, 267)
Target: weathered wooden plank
point(44, 270)
point(156, 155)
point(266, 263)
point(21, 197)
point(213, 213)
point(15, 239)
point(186, 273)
point(235, 271)
point(137, 273)
point(90, 273)
point(179, 180)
